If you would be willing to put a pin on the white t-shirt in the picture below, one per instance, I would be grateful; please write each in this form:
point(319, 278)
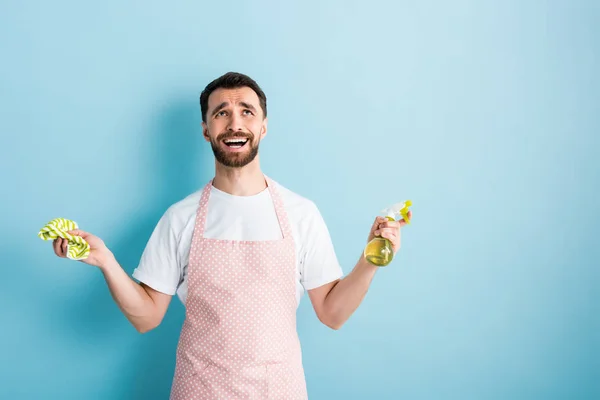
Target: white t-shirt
point(164, 263)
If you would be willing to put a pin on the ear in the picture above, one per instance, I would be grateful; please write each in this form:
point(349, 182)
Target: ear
point(205, 132)
point(263, 129)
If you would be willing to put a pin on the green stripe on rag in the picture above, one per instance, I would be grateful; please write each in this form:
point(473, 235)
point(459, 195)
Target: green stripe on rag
point(77, 249)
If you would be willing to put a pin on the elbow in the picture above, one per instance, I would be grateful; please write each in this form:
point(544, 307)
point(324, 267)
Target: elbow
point(144, 329)
point(332, 317)
point(147, 326)
point(332, 322)
point(335, 327)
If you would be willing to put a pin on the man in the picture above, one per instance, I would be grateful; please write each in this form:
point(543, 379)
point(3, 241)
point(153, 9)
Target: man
point(239, 254)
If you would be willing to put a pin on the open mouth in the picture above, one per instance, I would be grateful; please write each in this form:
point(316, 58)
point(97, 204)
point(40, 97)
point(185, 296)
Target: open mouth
point(236, 143)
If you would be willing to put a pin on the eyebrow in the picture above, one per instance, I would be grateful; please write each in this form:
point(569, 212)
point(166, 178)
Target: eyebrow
point(248, 106)
point(225, 104)
point(219, 108)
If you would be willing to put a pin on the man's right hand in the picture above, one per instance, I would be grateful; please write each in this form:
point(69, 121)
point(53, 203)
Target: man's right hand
point(99, 253)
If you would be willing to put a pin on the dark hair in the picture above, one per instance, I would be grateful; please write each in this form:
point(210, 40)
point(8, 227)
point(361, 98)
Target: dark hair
point(231, 80)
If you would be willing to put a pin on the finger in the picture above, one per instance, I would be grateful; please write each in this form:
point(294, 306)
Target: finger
point(389, 224)
point(386, 232)
point(56, 245)
point(389, 233)
point(376, 223)
point(61, 253)
point(64, 247)
point(393, 237)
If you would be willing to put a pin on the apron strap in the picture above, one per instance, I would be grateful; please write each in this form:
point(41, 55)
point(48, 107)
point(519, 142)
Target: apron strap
point(203, 209)
point(282, 216)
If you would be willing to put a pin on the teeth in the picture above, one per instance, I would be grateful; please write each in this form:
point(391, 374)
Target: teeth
point(241, 141)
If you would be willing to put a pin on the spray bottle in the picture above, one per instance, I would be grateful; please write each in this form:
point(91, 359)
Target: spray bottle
point(379, 251)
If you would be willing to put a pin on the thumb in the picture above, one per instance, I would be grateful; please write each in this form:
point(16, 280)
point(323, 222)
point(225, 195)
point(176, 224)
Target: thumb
point(78, 232)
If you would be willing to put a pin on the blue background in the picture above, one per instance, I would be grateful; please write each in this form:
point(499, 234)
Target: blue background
point(485, 114)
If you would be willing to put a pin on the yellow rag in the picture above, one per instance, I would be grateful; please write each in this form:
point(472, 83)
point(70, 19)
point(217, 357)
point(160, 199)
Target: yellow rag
point(77, 247)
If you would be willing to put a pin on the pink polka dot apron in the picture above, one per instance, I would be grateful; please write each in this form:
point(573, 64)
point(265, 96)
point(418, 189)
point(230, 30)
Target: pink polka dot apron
point(239, 338)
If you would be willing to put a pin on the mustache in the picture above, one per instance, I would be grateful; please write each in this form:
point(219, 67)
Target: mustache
point(228, 135)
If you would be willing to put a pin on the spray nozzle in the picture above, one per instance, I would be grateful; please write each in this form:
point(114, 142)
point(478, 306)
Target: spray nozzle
point(397, 211)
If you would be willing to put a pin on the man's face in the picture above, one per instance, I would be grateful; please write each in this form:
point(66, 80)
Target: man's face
point(234, 125)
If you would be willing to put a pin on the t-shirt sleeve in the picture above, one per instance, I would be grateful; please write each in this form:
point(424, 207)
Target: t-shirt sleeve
point(159, 265)
point(320, 264)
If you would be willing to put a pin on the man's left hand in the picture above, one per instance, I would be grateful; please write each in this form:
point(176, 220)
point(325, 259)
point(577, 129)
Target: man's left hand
point(389, 230)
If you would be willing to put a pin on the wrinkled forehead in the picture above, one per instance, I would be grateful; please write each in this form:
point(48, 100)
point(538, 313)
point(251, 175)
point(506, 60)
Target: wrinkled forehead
point(233, 97)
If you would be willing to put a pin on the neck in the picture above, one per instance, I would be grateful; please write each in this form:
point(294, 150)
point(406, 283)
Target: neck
point(246, 181)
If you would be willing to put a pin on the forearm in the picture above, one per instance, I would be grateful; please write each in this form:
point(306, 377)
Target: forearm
point(131, 298)
point(345, 297)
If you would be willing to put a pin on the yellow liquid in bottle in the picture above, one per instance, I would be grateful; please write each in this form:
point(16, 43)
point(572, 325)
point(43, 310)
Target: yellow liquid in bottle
point(379, 251)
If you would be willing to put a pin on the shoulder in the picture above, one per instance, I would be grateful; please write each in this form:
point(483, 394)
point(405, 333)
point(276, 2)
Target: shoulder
point(179, 214)
point(296, 204)
point(304, 215)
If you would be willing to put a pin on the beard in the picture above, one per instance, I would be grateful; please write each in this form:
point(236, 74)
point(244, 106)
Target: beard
point(234, 159)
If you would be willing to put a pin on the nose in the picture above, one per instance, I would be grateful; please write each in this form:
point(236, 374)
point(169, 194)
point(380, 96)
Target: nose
point(235, 123)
